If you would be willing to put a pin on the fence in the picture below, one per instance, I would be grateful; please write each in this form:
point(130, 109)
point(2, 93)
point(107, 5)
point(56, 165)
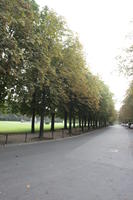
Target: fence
point(11, 138)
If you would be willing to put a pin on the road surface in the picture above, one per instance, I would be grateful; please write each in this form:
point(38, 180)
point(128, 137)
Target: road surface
point(97, 166)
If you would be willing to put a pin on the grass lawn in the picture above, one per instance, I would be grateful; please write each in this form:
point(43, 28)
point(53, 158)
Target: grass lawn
point(22, 127)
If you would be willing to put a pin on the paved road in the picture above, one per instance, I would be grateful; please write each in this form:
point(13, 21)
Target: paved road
point(98, 166)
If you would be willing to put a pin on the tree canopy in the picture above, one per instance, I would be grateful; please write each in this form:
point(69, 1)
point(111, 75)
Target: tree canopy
point(126, 68)
point(43, 69)
point(126, 111)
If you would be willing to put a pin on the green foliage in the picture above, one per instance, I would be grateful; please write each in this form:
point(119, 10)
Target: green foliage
point(126, 111)
point(42, 66)
point(106, 105)
point(126, 68)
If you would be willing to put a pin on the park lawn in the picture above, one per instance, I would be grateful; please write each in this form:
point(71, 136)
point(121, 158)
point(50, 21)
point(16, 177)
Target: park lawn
point(23, 127)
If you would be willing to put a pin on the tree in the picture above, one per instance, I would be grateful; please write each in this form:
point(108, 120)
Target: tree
point(106, 111)
point(126, 111)
point(126, 68)
point(15, 31)
point(43, 68)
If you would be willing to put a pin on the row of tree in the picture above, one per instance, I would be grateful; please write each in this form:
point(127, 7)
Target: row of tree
point(126, 111)
point(43, 70)
point(126, 68)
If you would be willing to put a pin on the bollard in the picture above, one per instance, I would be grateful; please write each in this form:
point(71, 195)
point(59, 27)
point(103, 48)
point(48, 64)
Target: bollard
point(26, 137)
point(52, 134)
point(6, 139)
point(62, 133)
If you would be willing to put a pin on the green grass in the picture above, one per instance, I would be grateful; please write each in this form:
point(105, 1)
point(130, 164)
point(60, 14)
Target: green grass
point(23, 127)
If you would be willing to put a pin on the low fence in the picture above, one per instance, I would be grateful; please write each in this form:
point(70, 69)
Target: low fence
point(11, 138)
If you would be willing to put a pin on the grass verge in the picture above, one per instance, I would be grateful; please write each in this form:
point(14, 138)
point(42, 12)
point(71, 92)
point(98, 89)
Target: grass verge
point(23, 127)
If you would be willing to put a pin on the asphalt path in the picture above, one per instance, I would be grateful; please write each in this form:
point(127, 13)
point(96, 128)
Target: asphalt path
point(96, 166)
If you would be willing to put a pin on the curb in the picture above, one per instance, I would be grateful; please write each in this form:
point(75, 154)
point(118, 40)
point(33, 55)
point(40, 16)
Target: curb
point(48, 141)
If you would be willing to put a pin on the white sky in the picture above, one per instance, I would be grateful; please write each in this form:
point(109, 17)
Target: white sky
point(101, 26)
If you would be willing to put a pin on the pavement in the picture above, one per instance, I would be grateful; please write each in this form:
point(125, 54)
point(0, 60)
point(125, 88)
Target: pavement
point(96, 166)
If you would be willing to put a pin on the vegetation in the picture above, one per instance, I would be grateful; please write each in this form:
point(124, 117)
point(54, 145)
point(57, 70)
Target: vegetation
point(23, 127)
point(126, 111)
point(43, 70)
point(126, 68)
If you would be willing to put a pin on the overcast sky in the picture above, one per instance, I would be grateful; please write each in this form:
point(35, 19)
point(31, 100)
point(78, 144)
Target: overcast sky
point(102, 26)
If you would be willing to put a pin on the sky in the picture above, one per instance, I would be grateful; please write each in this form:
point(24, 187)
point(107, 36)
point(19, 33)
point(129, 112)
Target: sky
point(102, 27)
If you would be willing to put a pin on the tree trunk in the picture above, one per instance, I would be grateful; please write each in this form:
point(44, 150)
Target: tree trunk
point(82, 125)
point(33, 122)
point(70, 119)
point(52, 121)
point(70, 123)
point(79, 121)
point(65, 120)
point(41, 126)
point(85, 122)
point(33, 105)
point(42, 115)
point(74, 122)
point(88, 123)
point(96, 123)
point(91, 123)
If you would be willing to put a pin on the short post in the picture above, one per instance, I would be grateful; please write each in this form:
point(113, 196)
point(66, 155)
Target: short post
point(6, 139)
point(52, 134)
point(26, 137)
point(62, 133)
